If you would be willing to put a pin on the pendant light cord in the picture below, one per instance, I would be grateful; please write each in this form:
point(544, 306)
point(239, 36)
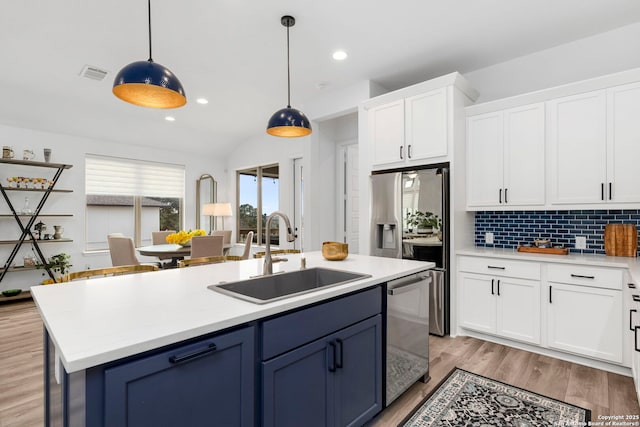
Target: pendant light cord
point(149, 13)
point(288, 73)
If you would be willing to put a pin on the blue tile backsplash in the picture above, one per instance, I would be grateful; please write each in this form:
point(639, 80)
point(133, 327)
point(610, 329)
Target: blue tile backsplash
point(513, 228)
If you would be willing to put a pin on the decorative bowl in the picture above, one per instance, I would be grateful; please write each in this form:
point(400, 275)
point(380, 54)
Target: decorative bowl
point(11, 292)
point(542, 243)
point(335, 251)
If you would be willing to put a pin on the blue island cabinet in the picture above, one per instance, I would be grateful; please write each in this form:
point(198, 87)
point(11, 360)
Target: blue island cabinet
point(206, 382)
point(334, 380)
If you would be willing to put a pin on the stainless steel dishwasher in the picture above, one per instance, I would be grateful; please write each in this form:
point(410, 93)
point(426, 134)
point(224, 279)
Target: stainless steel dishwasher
point(407, 333)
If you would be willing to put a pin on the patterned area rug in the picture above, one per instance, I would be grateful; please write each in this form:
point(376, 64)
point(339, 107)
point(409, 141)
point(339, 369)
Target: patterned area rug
point(466, 399)
point(403, 369)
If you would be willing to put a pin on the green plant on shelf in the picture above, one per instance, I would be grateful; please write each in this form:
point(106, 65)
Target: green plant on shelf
point(59, 264)
point(423, 220)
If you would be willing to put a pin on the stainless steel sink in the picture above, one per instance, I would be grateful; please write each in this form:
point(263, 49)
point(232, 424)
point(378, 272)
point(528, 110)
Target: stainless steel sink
point(264, 289)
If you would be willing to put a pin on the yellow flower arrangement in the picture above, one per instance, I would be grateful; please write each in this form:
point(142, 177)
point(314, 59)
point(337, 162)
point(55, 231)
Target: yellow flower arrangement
point(183, 237)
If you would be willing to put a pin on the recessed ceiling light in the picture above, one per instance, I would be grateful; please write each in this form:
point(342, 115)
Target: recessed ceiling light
point(202, 101)
point(339, 55)
point(170, 119)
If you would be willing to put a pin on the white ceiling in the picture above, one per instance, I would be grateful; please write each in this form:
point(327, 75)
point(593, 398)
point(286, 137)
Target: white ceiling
point(233, 52)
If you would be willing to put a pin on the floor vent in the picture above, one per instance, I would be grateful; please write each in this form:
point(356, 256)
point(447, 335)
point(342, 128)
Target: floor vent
point(93, 73)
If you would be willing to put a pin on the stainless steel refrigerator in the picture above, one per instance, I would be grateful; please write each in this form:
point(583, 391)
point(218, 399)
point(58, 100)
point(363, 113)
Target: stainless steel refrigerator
point(410, 219)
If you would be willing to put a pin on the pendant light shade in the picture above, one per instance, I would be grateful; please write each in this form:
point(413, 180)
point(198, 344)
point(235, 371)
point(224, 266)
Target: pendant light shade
point(148, 84)
point(288, 122)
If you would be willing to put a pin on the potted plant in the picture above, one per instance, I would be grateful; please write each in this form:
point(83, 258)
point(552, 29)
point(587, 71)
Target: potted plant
point(423, 222)
point(59, 265)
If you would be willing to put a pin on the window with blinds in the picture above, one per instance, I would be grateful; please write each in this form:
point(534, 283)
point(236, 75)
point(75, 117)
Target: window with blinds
point(132, 197)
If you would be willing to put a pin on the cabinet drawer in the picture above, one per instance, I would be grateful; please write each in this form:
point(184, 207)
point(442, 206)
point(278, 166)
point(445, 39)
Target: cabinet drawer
point(500, 267)
point(608, 278)
point(293, 330)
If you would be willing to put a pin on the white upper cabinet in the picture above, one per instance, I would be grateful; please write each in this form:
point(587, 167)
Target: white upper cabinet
point(410, 129)
point(623, 148)
point(386, 128)
point(506, 158)
point(426, 125)
point(577, 148)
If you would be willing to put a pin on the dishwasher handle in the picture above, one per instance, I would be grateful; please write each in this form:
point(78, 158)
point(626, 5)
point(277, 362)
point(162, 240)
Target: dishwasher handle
point(408, 286)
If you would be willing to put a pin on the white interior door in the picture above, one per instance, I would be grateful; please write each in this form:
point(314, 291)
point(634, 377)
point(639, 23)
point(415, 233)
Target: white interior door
point(348, 195)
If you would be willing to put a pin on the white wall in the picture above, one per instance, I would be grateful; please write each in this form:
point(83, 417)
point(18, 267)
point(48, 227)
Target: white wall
point(71, 150)
point(604, 53)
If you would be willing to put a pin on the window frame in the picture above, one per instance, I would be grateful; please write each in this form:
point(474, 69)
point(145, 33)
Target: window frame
point(259, 176)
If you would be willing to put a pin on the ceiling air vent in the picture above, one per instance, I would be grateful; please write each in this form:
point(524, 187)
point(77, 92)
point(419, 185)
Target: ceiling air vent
point(93, 73)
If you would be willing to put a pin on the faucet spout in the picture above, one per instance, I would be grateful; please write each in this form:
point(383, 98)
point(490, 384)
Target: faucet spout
point(267, 268)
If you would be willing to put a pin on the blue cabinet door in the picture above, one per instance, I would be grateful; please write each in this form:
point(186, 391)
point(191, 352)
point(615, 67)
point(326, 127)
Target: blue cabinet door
point(296, 388)
point(333, 381)
point(210, 382)
point(358, 377)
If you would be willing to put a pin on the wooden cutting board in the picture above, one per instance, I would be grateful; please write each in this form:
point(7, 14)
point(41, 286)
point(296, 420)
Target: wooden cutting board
point(620, 240)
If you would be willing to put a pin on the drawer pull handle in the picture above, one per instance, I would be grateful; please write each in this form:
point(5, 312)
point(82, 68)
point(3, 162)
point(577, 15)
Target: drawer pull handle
point(635, 338)
point(331, 357)
point(580, 276)
point(631, 285)
point(633, 310)
point(495, 267)
point(550, 299)
point(340, 350)
point(194, 355)
point(636, 298)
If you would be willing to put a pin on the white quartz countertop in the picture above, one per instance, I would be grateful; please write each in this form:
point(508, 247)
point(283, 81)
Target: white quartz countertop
point(630, 263)
point(95, 321)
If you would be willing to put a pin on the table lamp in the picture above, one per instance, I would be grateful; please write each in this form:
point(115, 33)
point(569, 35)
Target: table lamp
point(217, 209)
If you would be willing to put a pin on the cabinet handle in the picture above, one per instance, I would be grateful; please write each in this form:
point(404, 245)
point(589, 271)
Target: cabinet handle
point(635, 338)
point(401, 158)
point(580, 276)
point(505, 195)
point(331, 357)
point(550, 299)
point(492, 293)
point(500, 196)
point(633, 310)
point(498, 287)
point(495, 267)
point(193, 355)
point(339, 361)
point(631, 285)
point(409, 151)
point(636, 298)
point(602, 191)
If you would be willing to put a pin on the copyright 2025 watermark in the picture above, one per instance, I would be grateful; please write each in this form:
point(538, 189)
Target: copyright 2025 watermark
point(607, 420)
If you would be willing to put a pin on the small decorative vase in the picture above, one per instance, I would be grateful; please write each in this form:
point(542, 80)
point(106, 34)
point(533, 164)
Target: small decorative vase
point(59, 230)
point(440, 235)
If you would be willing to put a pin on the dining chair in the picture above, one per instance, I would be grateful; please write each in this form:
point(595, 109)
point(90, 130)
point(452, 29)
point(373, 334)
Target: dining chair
point(111, 271)
point(276, 252)
point(160, 237)
point(122, 250)
point(247, 245)
point(206, 246)
point(207, 260)
point(224, 233)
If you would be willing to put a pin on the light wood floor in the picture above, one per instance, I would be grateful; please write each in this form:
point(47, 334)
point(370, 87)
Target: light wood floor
point(21, 375)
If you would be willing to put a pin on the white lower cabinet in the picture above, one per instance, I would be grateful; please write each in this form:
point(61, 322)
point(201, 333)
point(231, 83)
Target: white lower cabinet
point(585, 320)
point(575, 309)
point(505, 306)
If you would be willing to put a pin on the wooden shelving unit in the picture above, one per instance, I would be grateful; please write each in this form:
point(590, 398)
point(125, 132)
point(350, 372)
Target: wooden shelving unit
point(21, 296)
point(26, 235)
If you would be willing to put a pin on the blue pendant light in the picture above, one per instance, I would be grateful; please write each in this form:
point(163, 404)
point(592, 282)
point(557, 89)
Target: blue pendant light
point(288, 122)
point(149, 84)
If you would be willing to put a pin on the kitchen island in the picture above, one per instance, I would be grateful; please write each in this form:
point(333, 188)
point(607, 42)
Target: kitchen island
point(103, 330)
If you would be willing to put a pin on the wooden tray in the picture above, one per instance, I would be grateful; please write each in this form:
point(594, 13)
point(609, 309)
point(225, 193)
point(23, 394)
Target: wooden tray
point(551, 251)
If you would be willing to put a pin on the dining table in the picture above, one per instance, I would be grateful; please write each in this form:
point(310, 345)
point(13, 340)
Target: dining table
point(173, 251)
